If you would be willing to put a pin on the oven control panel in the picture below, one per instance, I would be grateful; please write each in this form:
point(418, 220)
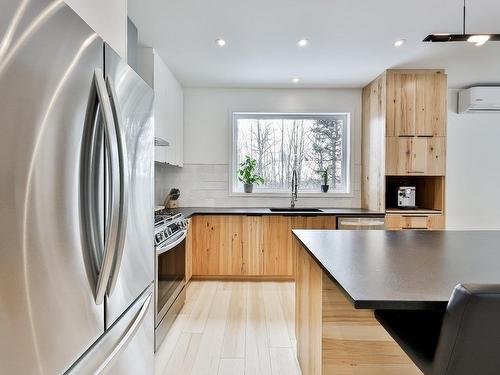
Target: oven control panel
point(167, 226)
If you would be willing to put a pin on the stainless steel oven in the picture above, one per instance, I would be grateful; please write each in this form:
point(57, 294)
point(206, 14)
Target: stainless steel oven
point(170, 266)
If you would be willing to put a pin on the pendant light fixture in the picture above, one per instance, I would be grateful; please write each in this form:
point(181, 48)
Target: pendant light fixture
point(477, 39)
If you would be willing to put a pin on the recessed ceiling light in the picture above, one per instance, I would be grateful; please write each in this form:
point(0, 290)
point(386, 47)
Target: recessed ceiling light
point(399, 42)
point(296, 80)
point(303, 42)
point(220, 42)
point(479, 40)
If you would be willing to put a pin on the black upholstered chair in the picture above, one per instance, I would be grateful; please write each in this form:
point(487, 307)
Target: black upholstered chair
point(463, 340)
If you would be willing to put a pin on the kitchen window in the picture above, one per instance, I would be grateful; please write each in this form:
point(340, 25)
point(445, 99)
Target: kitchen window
point(282, 142)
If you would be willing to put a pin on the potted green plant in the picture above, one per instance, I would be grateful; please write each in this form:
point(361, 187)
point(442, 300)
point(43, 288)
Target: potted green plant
point(247, 176)
point(324, 175)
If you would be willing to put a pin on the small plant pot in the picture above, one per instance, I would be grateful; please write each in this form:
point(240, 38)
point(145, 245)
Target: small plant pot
point(324, 188)
point(248, 188)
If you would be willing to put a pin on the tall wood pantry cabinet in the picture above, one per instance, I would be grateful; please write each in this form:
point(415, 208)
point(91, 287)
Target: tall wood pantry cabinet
point(404, 144)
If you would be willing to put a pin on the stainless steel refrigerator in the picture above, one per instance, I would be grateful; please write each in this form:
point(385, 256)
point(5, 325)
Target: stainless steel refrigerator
point(76, 199)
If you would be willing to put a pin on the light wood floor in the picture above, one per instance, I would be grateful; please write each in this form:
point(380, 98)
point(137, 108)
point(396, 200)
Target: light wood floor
point(232, 328)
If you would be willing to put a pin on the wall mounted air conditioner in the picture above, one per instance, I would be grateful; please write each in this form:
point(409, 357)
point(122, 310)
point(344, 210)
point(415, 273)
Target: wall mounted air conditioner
point(479, 99)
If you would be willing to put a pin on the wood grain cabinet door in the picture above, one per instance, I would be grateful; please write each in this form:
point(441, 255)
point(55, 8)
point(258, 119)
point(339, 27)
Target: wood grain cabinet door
point(278, 250)
point(431, 105)
point(210, 244)
point(401, 101)
point(415, 156)
point(398, 156)
point(436, 156)
point(245, 253)
point(253, 245)
point(416, 104)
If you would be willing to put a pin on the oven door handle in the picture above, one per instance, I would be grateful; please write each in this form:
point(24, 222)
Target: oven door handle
point(170, 245)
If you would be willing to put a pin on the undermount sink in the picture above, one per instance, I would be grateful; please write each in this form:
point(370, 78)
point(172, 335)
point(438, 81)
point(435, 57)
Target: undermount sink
point(296, 209)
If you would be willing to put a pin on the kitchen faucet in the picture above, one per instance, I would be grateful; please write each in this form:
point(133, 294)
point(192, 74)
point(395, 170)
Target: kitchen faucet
point(295, 184)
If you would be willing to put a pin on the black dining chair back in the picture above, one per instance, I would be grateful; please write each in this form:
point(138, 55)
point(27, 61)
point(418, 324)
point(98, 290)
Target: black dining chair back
point(469, 342)
point(463, 340)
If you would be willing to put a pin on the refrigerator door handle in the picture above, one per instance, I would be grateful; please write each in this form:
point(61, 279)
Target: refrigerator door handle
point(124, 185)
point(122, 344)
point(104, 353)
point(112, 219)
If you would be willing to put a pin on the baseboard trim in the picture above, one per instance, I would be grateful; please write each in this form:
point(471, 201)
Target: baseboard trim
point(242, 278)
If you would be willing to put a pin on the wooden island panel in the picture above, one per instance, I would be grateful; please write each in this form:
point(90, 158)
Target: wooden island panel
point(335, 338)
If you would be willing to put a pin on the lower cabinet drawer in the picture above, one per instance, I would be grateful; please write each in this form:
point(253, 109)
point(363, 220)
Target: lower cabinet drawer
point(429, 222)
point(414, 222)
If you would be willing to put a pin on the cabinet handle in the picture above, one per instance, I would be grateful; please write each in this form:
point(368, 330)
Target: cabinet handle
point(416, 171)
point(416, 136)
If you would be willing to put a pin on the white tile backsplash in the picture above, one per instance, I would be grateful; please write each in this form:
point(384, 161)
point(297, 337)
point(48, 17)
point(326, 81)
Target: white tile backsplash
point(207, 185)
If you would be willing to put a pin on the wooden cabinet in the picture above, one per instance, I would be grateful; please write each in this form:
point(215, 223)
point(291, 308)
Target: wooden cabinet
point(245, 253)
point(227, 245)
point(314, 222)
point(415, 156)
point(209, 244)
point(189, 251)
point(279, 245)
point(429, 222)
point(239, 245)
point(278, 252)
point(404, 143)
point(416, 103)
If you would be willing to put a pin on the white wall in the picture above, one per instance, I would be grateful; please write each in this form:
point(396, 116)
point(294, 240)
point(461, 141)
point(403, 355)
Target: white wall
point(108, 18)
point(473, 169)
point(204, 180)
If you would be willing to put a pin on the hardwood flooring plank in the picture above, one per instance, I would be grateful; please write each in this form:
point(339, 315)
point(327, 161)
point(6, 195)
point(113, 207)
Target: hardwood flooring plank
point(234, 335)
point(231, 366)
point(284, 362)
point(287, 299)
point(208, 357)
point(199, 314)
point(192, 294)
point(184, 354)
point(166, 349)
point(257, 358)
point(276, 325)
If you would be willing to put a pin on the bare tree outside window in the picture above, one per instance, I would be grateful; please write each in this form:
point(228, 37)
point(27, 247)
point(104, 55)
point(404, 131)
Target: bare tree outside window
point(281, 143)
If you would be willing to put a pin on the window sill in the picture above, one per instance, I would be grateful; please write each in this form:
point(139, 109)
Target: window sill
point(288, 195)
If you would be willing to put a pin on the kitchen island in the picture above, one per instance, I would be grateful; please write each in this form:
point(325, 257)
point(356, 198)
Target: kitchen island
point(343, 276)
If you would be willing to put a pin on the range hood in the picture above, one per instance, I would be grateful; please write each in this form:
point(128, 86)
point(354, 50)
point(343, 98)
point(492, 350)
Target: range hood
point(160, 142)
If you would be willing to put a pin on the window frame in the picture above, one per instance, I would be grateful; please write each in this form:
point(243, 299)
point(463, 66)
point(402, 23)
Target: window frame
point(347, 162)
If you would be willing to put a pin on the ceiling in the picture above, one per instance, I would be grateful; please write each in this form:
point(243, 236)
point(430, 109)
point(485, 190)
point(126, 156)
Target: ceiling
point(351, 41)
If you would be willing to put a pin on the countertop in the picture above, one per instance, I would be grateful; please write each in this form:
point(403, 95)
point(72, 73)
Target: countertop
point(403, 269)
point(190, 211)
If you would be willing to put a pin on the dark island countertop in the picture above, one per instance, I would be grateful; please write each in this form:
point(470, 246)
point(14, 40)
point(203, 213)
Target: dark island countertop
point(190, 211)
point(403, 269)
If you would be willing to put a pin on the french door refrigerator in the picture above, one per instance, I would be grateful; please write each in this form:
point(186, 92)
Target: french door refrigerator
point(76, 208)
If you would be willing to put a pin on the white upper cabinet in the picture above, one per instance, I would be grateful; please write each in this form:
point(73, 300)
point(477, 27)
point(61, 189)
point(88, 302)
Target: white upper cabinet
point(168, 107)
